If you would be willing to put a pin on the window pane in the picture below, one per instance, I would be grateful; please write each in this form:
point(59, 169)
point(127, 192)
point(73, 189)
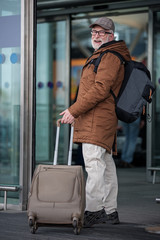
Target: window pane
point(10, 93)
point(52, 90)
point(156, 77)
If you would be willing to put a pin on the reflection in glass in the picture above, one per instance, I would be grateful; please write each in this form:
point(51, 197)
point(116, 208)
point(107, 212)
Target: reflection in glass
point(156, 103)
point(51, 90)
point(10, 94)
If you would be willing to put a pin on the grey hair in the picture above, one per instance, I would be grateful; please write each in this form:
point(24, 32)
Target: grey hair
point(111, 31)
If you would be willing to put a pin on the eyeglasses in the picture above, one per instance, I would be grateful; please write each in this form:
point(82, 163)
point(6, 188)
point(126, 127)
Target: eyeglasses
point(101, 33)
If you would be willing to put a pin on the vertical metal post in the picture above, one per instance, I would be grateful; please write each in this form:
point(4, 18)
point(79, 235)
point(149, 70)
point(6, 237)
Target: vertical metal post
point(56, 146)
point(68, 73)
point(5, 200)
point(70, 147)
point(26, 102)
point(150, 67)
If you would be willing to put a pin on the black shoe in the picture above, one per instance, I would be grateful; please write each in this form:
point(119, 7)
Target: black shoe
point(91, 218)
point(112, 218)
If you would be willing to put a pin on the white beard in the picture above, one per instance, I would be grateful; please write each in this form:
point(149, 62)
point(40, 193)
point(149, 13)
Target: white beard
point(99, 42)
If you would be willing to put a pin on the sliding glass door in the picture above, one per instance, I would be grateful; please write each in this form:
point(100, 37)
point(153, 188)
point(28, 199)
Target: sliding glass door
point(52, 89)
point(156, 78)
point(10, 87)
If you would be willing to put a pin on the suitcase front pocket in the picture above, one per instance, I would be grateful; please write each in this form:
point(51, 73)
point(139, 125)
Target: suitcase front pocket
point(57, 185)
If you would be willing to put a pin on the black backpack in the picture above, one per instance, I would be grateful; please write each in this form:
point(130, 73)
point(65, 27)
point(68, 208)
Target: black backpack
point(136, 89)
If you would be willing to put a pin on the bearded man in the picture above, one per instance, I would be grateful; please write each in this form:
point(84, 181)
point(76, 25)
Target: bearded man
point(96, 122)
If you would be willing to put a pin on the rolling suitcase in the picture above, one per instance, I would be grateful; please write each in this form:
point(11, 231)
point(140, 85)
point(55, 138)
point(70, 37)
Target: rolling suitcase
point(57, 194)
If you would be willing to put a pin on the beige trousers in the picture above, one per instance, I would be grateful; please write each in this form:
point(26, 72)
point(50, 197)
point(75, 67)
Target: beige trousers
point(101, 184)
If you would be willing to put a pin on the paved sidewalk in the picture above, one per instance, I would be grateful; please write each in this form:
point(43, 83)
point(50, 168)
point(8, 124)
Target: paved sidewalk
point(136, 206)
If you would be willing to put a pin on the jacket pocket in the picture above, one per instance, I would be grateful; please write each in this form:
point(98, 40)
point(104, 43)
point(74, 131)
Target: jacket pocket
point(84, 123)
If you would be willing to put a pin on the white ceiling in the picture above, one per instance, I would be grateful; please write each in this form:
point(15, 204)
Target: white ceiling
point(133, 20)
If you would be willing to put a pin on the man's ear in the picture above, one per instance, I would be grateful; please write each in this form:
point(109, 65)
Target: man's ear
point(111, 37)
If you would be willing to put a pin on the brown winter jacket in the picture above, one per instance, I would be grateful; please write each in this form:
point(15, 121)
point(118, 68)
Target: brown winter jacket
point(94, 110)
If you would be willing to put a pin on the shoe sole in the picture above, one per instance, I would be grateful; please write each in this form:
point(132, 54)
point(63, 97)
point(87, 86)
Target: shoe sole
point(102, 220)
point(116, 221)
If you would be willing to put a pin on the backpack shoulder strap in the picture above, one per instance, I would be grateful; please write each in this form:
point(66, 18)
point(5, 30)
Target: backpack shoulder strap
point(122, 59)
point(97, 62)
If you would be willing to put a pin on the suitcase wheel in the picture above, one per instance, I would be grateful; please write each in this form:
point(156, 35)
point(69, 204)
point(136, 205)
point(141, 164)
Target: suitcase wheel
point(76, 227)
point(33, 225)
point(32, 230)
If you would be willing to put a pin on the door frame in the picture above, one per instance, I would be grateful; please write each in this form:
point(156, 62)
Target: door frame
point(27, 98)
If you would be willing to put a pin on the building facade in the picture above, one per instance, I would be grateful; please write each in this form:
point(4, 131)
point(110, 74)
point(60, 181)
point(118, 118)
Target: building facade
point(43, 47)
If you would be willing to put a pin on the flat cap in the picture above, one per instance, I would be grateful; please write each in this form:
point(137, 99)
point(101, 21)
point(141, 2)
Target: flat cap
point(105, 23)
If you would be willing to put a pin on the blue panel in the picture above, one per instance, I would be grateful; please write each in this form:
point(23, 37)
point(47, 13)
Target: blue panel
point(2, 58)
point(14, 58)
point(10, 31)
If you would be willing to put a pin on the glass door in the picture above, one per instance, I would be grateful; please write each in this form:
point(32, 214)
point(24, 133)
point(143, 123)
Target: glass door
point(156, 78)
point(10, 87)
point(132, 28)
point(52, 89)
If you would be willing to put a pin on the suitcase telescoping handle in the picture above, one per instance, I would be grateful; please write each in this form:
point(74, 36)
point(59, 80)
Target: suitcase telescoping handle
point(57, 143)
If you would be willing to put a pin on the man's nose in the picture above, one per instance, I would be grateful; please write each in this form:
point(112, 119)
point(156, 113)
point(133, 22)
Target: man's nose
point(97, 34)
